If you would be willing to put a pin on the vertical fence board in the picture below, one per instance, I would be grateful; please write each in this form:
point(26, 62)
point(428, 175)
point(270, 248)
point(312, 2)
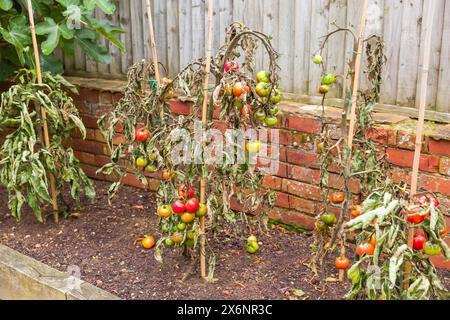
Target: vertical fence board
point(336, 56)
point(185, 31)
point(409, 52)
point(319, 28)
point(302, 49)
point(436, 42)
point(173, 51)
point(124, 13)
point(198, 28)
point(443, 93)
point(392, 33)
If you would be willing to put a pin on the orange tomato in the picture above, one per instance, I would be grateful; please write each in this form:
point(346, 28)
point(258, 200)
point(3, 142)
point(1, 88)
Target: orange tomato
point(177, 237)
point(443, 232)
point(365, 248)
point(337, 197)
point(238, 89)
point(148, 242)
point(166, 175)
point(187, 217)
point(164, 211)
point(373, 240)
point(356, 212)
point(342, 263)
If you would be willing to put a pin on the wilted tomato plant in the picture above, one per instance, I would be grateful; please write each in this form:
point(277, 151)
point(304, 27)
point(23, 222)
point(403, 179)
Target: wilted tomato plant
point(240, 95)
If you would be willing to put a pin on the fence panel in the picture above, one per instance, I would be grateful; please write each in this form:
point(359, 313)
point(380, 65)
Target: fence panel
point(297, 27)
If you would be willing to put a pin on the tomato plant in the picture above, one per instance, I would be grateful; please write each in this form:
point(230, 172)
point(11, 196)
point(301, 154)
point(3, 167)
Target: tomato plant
point(235, 95)
point(25, 163)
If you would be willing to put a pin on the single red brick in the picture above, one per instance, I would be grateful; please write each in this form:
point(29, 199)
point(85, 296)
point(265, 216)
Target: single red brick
point(301, 189)
point(282, 200)
point(179, 107)
point(101, 160)
point(285, 137)
point(435, 184)
point(405, 158)
point(132, 180)
point(117, 96)
point(440, 263)
point(90, 121)
point(304, 174)
point(275, 213)
point(407, 140)
point(89, 95)
point(302, 124)
point(441, 147)
point(298, 219)
point(269, 164)
point(90, 171)
point(85, 157)
point(304, 158)
point(392, 137)
point(336, 181)
point(399, 175)
point(377, 134)
point(444, 166)
point(302, 205)
point(88, 146)
point(106, 97)
point(272, 182)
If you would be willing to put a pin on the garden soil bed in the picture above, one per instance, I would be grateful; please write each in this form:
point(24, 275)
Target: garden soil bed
point(100, 240)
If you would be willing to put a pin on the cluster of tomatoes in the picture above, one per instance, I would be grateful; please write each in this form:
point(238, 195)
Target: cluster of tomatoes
point(268, 94)
point(329, 219)
point(146, 163)
point(416, 213)
point(178, 219)
point(327, 79)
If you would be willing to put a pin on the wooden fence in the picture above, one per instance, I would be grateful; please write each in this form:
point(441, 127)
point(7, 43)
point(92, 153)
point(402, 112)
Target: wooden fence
point(296, 26)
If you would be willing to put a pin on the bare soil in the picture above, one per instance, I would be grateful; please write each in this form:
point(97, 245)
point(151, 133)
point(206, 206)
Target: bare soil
point(100, 240)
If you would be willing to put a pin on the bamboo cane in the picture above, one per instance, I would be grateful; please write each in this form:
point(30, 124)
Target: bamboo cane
point(204, 118)
point(154, 52)
point(43, 112)
point(355, 88)
point(362, 31)
point(419, 134)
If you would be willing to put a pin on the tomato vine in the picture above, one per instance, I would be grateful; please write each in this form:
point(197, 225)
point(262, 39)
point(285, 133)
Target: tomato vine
point(238, 96)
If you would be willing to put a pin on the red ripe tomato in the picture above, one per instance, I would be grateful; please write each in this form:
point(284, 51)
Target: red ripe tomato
point(365, 248)
point(141, 134)
point(415, 215)
point(183, 191)
point(337, 197)
point(231, 66)
point(342, 263)
point(178, 207)
point(192, 205)
point(419, 242)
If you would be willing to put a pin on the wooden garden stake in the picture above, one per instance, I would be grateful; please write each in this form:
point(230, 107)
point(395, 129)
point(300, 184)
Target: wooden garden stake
point(154, 53)
point(419, 133)
point(204, 118)
point(362, 31)
point(355, 88)
point(43, 112)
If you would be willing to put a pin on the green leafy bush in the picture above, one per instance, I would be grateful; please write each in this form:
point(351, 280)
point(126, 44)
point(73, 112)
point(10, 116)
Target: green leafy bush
point(59, 24)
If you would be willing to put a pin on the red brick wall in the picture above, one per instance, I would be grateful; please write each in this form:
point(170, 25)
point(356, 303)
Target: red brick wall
point(297, 179)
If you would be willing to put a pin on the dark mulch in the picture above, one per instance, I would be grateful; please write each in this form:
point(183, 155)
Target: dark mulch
point(100, 240)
